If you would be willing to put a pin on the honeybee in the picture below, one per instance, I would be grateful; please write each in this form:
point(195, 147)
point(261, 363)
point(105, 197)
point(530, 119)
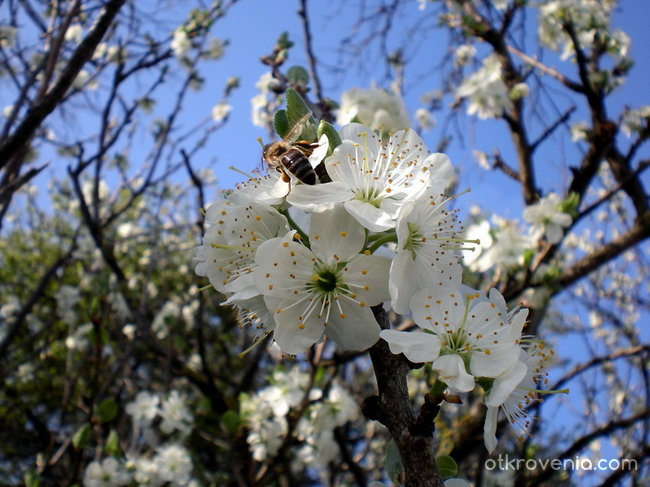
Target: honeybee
point(291, 156)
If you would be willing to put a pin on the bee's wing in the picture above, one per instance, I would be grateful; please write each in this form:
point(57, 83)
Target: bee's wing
point(295, 131)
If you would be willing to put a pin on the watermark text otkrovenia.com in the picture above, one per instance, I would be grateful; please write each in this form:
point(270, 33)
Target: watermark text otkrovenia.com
point(505, 462)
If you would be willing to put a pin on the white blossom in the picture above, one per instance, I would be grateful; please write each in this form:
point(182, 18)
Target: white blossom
point(174, 465)
point(635, 121)
point(74, 33)
point(215, 50)
point(464, 54)
point(259, 103)
point(327, 289)
point(79, 339)
point(84, 81)
point(579, 131)
point(143, 409)
point(107, 473)
point(234, 232)
point(518, 91)
point(269, 190)
point(486, 91)
point(515, 391)
point(169, 314)
point(175, 414)
point(373, 179)
point(588, 17)
point(426, 121)
point(286, 392)
point(181, 42)
point(502, 245)
point(374, 107)
point(466, 334)
point(427, 243)
point(220, 111)
point(145, 471)
point(547, 218)
point(67, 298)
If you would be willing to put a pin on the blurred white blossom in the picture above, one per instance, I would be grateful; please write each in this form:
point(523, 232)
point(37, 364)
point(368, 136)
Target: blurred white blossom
point(374, 107)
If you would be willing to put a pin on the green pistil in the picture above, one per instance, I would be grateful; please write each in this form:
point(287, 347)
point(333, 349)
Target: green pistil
point(326, 280)
point(370, 196)
point(414, 238)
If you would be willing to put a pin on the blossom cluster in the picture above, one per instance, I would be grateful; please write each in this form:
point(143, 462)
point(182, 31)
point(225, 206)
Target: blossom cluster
point(590, 20)
point(374, 107)
point(486, 91)
point(148, 460)
point(504, 244)
point(470, 338)
point(307, 261)
point(377, 232)
point(265, 415)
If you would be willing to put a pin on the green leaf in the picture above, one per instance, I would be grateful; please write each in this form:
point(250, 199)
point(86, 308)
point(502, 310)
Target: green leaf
point(284, 42)
point(296, 107)
point(570, 204)
point(107, 410)
point(333, 136)
point(281, 123)
point(112, 446)
point(31, 478)
point(232, 421)
point(319, 376)
point(393, 463)
point(447, 466)
point(298, 76)
point(81, 437)
point(94, 306)
point(528, 257)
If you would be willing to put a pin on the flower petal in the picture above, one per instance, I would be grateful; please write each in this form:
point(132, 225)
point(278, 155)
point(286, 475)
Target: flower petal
point(283, 266)
point(335, 236)
point(353, 328)
point(295, 332)
point(367, 277)
point(319, 152)
point(418, 347)
point(373, 218)
point(319, 197)
point(452, 372)
point(494, 361)
point(490, 429)
point(400, 283)
point(439, 309)
point(505, 384)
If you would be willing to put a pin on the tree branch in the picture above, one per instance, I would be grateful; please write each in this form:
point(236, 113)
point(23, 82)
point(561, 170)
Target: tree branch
point(392, 408)
point(588, 438)
point(639, 232)
point(25, 131)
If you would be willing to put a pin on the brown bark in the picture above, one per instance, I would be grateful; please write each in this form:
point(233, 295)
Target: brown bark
point(392, 408)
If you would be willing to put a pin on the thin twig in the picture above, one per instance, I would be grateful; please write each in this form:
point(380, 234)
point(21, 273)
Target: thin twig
point(560, 121)
point(572, 85)
point(311, 57)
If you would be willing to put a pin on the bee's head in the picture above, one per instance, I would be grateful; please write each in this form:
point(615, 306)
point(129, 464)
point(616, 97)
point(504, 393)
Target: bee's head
point(273, 150)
